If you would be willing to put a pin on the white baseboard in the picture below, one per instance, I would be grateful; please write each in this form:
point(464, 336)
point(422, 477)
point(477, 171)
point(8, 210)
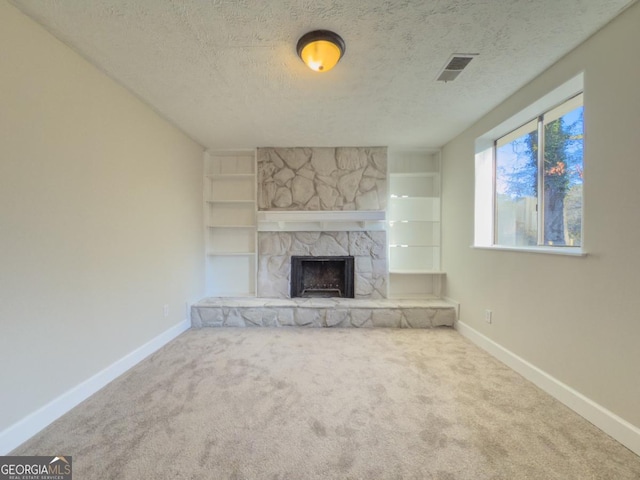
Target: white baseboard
point(24, 429)
point(607, 421)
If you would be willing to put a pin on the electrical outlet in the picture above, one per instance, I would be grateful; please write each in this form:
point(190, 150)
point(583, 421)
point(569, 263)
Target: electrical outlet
point(166, 310)
point(487, 316)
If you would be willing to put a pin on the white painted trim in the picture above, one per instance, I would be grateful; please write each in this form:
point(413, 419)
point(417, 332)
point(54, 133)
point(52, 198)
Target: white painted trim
point(569, 251)
point(21, 431)
point(618, 428)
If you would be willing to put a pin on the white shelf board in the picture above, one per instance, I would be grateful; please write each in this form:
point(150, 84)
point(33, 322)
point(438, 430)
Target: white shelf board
point(413, 221)
point(227, 176)
point(231, 226)
point(230, 254)
point(410, 197)
point(417, 272)
point(413, 174)
point(405, 245)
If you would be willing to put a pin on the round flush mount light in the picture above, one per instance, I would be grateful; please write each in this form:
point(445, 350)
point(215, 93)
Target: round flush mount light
point(320, 50)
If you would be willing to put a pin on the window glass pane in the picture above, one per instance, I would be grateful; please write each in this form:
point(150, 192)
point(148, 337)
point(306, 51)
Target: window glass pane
point(516, 188)
point(563, 146)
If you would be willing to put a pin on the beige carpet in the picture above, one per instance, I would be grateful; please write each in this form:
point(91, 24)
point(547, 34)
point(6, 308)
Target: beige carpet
point(328, 404)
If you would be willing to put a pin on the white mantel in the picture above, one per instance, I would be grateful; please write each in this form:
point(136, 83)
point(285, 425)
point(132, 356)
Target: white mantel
point(313, 221)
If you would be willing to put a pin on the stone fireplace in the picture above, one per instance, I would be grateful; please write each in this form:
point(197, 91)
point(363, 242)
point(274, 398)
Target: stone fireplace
point(337, 199)
point(321, 276)
point(368, 250)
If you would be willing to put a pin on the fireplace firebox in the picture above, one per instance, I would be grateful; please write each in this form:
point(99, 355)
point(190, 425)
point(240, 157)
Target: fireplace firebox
point(322, 276)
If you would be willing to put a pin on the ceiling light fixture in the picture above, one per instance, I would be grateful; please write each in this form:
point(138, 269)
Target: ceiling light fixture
point(320, 50)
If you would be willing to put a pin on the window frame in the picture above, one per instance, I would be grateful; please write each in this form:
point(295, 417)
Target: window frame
point(485, 215)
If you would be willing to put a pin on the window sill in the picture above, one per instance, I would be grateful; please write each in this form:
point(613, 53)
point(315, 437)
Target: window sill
point(568, 251)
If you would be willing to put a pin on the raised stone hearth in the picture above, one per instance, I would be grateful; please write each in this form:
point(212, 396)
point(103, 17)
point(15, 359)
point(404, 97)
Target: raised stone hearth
point(321, 312)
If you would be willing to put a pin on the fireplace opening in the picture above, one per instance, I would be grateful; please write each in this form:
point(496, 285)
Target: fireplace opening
point(322, 277)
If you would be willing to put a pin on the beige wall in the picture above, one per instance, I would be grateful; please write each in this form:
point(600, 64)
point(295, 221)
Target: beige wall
point(100, 219)
point(578, 319)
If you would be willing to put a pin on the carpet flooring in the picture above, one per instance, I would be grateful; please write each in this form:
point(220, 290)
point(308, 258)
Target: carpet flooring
point(328, 404)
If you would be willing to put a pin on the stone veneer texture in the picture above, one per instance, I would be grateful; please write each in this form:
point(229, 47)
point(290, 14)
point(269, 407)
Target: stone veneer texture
point(343, 178)
point(321, 313)
point(276, 248)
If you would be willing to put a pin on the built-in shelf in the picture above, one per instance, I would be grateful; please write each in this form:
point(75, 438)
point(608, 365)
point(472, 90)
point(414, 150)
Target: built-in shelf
point(230, 220)
point(414, 224)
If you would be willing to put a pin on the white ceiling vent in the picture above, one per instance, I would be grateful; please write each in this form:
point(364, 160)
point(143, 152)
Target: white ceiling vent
point(457, 62)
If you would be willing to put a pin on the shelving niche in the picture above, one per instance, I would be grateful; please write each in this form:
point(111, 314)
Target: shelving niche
point(414, 224)
point(230, 223)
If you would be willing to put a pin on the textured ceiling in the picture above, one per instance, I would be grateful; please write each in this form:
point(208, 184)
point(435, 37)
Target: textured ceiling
point(226, 71)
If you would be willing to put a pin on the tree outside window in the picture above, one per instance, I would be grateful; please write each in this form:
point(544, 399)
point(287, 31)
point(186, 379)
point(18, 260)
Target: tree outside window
point(546, 151)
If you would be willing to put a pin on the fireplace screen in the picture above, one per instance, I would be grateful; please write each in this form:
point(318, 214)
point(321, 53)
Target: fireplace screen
point(322, 277)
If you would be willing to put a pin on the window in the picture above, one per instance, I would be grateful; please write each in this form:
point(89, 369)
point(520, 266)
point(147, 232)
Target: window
point(538, 186)
point(529, 177)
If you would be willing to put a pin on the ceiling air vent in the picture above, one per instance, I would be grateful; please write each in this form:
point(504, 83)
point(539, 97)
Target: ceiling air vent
point(454, 66)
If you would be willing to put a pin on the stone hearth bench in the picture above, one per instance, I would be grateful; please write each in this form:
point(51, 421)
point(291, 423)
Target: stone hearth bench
point(321, 312)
